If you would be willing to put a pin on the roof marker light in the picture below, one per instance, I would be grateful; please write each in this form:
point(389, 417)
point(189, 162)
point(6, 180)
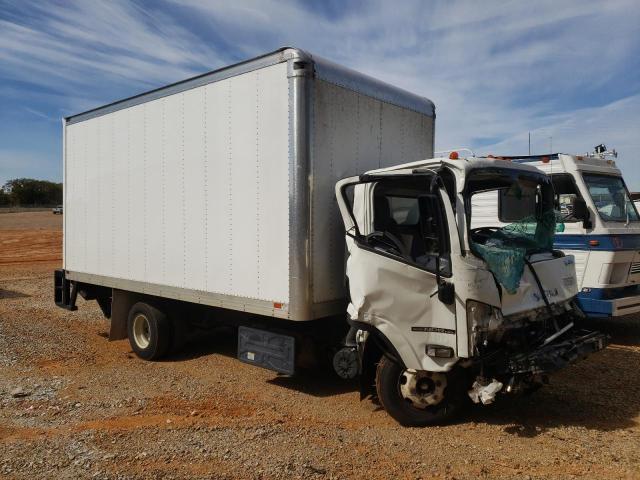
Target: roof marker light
point(594, 243)
point(545, 159)
point(454, 156)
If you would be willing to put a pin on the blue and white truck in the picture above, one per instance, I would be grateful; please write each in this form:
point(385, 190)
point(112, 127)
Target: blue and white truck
point(601, 229)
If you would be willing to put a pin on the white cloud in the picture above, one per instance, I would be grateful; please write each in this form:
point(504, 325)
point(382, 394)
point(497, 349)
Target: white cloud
point(495, 70)
point(74, 45)
point(579, 131)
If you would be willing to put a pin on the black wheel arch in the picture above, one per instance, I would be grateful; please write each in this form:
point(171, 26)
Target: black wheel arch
point(376, 346)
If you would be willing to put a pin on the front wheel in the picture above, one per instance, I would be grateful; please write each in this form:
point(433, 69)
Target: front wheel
point(417, 398)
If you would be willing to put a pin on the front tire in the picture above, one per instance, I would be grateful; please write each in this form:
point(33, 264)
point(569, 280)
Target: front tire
point(389, 379)
point(149, 331)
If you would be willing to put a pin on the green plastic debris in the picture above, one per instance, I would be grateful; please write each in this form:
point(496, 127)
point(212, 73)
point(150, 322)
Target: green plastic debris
point(506, 249)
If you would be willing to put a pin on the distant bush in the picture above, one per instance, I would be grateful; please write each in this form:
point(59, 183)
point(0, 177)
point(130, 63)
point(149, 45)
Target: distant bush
point(5, 200)
point(22, 192)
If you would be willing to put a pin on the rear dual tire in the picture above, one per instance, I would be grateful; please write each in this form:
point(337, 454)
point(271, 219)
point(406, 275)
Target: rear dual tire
point(149, 331)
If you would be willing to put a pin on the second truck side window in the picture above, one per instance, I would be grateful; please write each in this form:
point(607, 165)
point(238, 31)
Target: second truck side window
point(566, 193)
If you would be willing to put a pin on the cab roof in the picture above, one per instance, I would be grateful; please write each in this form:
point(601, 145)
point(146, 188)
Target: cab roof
point(462, 165)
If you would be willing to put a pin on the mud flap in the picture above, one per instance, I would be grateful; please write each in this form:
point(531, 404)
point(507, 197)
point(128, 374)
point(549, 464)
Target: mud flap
point(121, 303)
point(266, 349)
point(64, 291)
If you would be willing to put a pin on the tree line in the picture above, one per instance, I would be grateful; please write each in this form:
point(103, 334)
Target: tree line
point(24, 192)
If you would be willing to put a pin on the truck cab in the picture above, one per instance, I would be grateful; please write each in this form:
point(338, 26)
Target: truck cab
point(444, 306)
point(601, 229)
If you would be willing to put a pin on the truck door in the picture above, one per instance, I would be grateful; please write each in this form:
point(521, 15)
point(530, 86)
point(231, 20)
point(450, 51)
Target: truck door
point(567, 195)
point(399, 269)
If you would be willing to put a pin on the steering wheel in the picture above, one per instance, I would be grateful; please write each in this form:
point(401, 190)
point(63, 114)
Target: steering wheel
point(388, 240)
point(485, 230)
point(483, 233)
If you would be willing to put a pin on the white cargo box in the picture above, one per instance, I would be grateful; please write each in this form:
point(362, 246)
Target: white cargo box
point(219, 189)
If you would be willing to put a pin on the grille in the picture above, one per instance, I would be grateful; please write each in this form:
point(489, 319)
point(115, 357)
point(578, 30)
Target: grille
point(635, 268)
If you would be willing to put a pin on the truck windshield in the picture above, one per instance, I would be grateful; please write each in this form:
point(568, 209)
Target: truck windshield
point(610, 197)
point(511, 215)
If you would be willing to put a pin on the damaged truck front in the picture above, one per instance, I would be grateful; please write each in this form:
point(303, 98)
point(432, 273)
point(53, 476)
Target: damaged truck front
point(443, 306)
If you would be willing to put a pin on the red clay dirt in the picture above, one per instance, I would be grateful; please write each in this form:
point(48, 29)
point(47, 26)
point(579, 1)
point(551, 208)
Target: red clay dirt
point(90, 409)
point(30, 237)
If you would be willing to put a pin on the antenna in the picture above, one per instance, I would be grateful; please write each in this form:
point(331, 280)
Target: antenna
point(550, 153)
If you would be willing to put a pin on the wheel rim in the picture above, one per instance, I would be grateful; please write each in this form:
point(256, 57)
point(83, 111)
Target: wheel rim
point(422, 389)
point(141, 331)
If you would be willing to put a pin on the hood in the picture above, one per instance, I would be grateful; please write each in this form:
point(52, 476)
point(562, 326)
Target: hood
point(558, 278)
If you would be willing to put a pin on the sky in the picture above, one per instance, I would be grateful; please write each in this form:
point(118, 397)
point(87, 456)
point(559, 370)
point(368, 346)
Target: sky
point(568, 71)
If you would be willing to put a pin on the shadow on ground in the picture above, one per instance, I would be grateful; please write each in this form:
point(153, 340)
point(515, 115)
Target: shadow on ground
point(221, 341)
point(599, 393)
point(320, 381)
point(623, 331)
point(11, 294)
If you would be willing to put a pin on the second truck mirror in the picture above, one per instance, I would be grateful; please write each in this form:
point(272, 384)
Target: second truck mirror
point(581, 212)
point(579, 209)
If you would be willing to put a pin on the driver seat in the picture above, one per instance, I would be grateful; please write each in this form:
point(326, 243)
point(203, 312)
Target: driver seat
point(384, 222)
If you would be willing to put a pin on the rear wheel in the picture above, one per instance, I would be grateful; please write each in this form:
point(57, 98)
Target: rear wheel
point(149, 331)
point(417, 398)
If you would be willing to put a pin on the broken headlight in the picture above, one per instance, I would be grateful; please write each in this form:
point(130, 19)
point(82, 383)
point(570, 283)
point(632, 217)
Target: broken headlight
point(484, 322)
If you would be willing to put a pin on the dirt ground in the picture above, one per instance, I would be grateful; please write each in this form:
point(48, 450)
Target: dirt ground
point(30, 237)
point(73, 405)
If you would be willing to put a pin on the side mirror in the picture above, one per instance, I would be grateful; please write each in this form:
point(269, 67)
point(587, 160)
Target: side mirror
point(579, 209)
point(581, 212)
point(446, 293)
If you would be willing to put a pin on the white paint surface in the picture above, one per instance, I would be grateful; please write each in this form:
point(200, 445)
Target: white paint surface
point(190, 190)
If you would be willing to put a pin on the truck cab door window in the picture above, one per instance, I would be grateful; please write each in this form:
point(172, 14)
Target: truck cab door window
point(397, 220)
point(386, 234)
point(433, 233)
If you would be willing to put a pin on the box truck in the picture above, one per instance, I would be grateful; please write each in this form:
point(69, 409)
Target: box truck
point(211, 202)
point(601, 229)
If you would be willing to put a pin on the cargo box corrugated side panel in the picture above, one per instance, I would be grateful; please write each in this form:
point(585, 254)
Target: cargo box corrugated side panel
point(219, 189)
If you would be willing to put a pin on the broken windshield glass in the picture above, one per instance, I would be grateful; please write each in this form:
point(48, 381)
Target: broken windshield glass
point(511, 215)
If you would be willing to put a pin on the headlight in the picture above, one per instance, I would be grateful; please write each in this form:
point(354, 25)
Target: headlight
point(482, 320)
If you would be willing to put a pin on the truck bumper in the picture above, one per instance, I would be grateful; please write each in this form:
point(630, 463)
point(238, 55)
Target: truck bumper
point(567, 349)
point(605, 302)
